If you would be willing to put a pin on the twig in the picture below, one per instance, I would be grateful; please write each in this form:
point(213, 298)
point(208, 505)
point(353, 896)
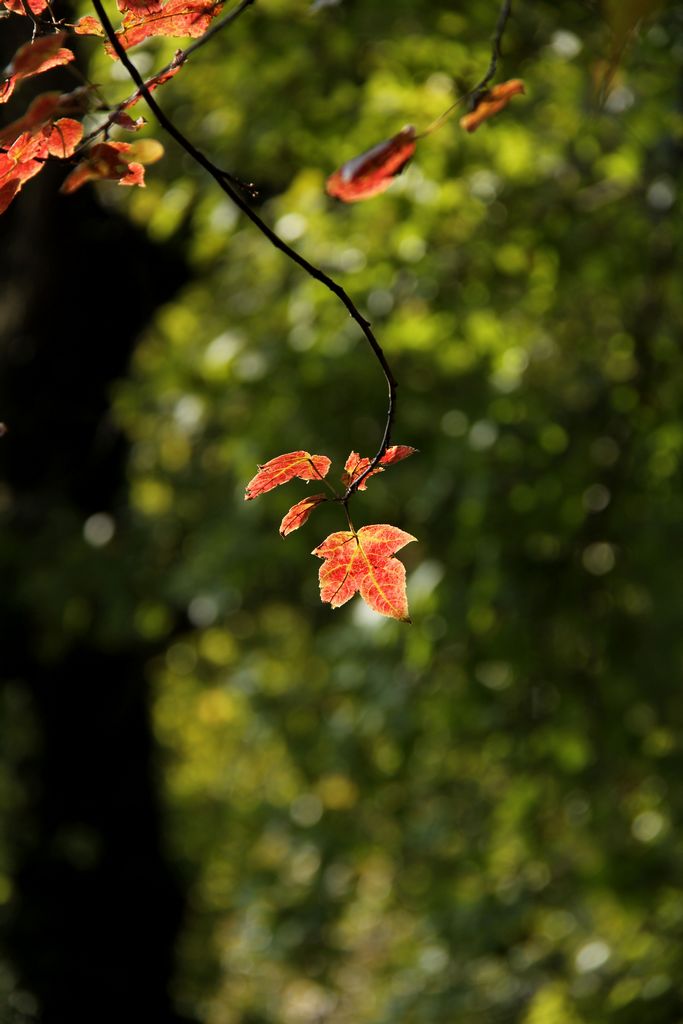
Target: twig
point(495, 47)
point(475, 92)
point(315, 272)
point(180, 57)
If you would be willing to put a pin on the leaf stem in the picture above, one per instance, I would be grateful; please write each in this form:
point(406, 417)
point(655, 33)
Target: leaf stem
point(473, 93)
point(223, 181)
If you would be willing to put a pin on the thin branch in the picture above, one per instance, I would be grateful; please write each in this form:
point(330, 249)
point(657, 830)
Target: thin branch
point(180, 57)
point(475, 92)
point(316, 273)
point(505, 12)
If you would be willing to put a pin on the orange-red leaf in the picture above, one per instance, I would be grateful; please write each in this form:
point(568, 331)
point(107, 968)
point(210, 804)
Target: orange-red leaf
point(299, 513)
point(63, 137)
point(157, 80)
point(16, 6)
point(41, 111)
point(176, 18)
point(373, 171)
point(355, 466)
point(33, 58)
point(107, 160)
point(491, 102)
point(364, 562)
point(23, 160)
point(88, 26)
point(301, 465)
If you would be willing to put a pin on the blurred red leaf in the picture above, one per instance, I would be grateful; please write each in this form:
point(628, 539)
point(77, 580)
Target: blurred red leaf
point(88, 26)
point(301, 465)
point(299, 513)
point(16, 6)
point(373, 171)
point(33, 58)
point(491, 102)
point(355, 466)
point(364, 562)
point(107, 160)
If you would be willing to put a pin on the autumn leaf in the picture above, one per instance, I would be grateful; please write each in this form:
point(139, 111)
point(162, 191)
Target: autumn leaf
point(41, 54)
point(364, 562)
point(16, 6)
point(116, 161)
point(22, 161)
point(299, 513)
point(41, 116)
point(88, 26)
point(491, 102)
point(373, 171)
point(176, 18)
point(355, 466)
point(157, 80)
point(301, 465)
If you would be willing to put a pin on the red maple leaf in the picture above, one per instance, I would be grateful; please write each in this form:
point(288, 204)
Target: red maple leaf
point(23, 160)
point(373, 171)
point(108, 160)
point(33, 58)
point(355, 466)
point(299, 513)
point(176, 18)
point(301, 465)
point(16, 6)
point(491, 102)
point(364, 562)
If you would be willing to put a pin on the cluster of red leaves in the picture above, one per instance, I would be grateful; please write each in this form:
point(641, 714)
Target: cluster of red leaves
point(143, 19)
point(373, 171)
point(30, 140)
point(354, 561)
point(44, 131)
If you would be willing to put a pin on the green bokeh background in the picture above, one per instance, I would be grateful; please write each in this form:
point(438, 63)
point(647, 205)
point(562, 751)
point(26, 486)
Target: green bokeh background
point(476, 818)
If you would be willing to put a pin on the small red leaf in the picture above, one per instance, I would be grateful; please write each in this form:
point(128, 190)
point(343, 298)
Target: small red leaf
point(16, 6)
point(41, 111)
point(491, 102)
point(301, 465)
point(355, 466)
point(124, 120)
point(364, 562)
point(33, 58)
point(23, 160)
point(299, 513)
point(373, 171)
point(63, 137)
point(88, 26)
point(108, 160)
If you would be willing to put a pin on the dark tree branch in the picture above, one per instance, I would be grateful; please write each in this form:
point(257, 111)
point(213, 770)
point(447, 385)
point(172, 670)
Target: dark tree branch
point(221, 179)
point(475, 93)
point(180, 57)
point(499, 30)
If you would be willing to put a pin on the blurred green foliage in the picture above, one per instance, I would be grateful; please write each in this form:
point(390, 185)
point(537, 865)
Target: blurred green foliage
point(476, 818)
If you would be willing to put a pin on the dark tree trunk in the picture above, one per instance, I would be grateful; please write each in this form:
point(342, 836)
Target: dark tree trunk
point(92, 924)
